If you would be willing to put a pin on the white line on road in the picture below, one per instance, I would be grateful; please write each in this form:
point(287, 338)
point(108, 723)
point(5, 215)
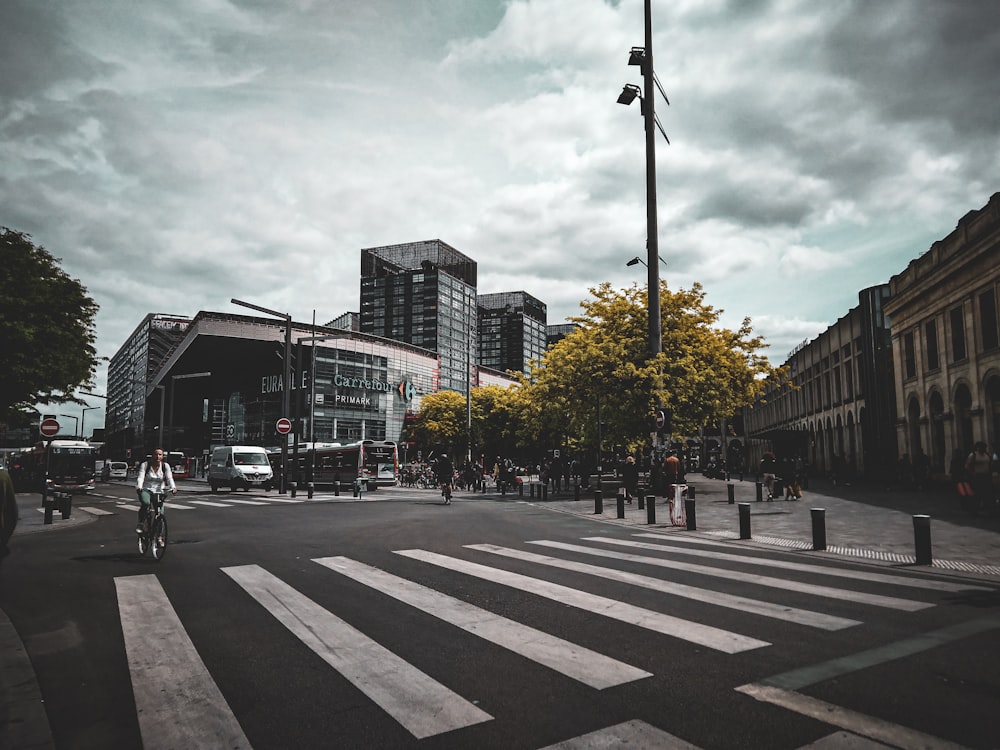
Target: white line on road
point(705, 635)
point(579, 663)
point(244, 502)
point(860, 597)
point(634, 734)
point(177, 701)
point(422, 705)
point(96, 511)
point(211, 504)
point(176, 506)
point(740, 603)
point(880, 730)
point(895, 580)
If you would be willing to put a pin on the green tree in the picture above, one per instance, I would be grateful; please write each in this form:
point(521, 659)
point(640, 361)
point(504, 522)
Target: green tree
point(46, 330)
point(705, 372)
point(440, 423)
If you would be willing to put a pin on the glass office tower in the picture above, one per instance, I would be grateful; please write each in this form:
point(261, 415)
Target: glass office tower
point(512, 331)
point(423, 293)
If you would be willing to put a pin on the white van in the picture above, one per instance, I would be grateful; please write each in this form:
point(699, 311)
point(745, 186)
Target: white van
point(239, 467)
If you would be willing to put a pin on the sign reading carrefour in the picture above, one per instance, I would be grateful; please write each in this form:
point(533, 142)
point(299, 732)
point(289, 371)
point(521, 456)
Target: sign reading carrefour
point(343, 381)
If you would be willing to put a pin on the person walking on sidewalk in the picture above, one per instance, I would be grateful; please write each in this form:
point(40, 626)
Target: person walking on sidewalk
point(768, 466)
point(630, 478)
point(978, 467)
point(154, 476)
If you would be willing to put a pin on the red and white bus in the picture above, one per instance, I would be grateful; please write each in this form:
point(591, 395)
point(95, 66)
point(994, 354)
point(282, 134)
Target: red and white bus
point(180, 465)
point(61, 466)
point(376, 461)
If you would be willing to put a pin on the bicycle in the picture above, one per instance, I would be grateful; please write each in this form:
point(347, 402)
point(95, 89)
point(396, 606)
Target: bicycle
point(153, 537)
point(446, 492)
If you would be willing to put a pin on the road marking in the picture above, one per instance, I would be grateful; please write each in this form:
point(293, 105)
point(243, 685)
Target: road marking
point(96, 511)
point(797, 679)
point(177, 506)
point(875, 600)
point(895, 580)
point(739, 603)
point(579, 663)
point(211, 504)
point(126, 506)
point(244, 502)
point(635, 734)
point(283, 500)
point(422, 705)
point(880, 730)
point(704, 635)
point(177, 701)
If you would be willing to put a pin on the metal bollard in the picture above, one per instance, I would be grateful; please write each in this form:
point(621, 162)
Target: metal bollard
point(731, 492)
point(641, 495)
point(520, 489)
point(310, 488)
point(336, 487)
point(545, 492)
point(532, 490)
point(922, 538)
point(760, 492)
point(293, 486)
point(689, 512)
point(576, 492)
point(691, 492)
point(65, 504)
point(651, 509)
point(744, 520)
point(819, 528)
point(620, 499)
point(598, 502)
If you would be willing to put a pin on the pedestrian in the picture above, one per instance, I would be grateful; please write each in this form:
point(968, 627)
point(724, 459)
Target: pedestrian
point(979, 473)
point(444, 472)
point(630, 478)
point(768, 466)
point(154, 476)
point(8, 512)
point(671, 472)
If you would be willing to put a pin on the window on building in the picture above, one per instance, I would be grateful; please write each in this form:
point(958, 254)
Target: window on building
point(957, 335)
point(931, 344)
point(909, 356)
point(988, 320)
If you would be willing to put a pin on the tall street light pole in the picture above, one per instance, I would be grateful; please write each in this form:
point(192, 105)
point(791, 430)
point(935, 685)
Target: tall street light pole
point(652, 230)
point(83, 420)
point(286, 384)
point(76, 422)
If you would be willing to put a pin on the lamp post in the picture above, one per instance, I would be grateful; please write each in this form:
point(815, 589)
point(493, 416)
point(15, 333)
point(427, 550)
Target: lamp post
point(643, 57)
point(286, 383)
point(170, 428)
point(83, 420)
point(76, 422)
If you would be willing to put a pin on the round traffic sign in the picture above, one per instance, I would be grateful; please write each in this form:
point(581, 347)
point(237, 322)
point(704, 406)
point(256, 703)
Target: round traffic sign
point(283, 425)
point(49, 427)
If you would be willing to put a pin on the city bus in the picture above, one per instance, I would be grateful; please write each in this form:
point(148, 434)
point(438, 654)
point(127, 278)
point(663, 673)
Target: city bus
point(180, 465)
point(376, 461)
point(61, 466)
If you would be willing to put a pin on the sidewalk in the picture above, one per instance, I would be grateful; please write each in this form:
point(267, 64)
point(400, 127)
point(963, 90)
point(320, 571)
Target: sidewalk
point(861, 521)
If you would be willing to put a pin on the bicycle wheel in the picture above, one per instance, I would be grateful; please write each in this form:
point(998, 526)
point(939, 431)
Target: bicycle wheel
point(158, 538)
point(142, 541)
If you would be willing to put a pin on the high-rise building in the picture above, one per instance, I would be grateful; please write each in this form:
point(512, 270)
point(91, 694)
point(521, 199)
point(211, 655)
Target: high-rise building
point(556, 333)
point(130, 372)
point(423, 293)
point(512, 331)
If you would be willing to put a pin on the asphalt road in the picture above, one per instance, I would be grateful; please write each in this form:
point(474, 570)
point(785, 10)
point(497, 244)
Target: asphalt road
point(398, 622)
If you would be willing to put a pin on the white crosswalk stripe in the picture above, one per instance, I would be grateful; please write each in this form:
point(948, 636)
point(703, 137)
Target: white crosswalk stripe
point(177, 701)
point(741, 603)
point(418, 702)
point(860, 597)
point(582, 664)
point(714, 554)
point(705, 635)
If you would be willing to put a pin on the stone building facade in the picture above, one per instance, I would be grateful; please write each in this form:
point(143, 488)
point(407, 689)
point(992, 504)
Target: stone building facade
point(946, 342)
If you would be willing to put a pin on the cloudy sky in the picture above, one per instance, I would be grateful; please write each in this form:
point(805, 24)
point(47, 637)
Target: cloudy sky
point(177, 154)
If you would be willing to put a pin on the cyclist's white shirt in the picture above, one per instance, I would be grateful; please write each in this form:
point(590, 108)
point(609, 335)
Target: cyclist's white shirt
point(154, 481)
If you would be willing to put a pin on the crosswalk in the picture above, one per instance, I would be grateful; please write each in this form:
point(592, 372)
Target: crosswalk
point(179, 704)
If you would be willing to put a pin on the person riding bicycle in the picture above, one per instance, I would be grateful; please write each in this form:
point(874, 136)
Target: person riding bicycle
point(154, 477)
point(444, 471)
